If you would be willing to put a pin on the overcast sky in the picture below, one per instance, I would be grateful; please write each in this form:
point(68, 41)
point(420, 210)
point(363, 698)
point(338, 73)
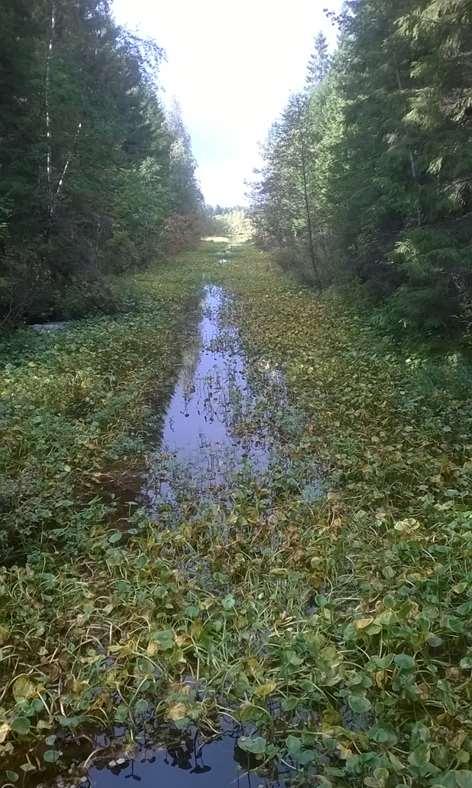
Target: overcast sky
point(231, 64)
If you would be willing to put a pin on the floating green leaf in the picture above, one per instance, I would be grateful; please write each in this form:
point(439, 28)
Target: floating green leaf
point(256, 745)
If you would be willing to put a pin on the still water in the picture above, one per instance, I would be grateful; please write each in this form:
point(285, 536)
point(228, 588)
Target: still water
point(212, 430)
point(190, 764)
point(215, 435)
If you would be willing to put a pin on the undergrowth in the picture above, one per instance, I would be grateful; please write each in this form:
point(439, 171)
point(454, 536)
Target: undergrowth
point(336, 632)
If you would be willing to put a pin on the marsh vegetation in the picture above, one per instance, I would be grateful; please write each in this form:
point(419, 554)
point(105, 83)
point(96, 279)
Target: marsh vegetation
point(314, 607)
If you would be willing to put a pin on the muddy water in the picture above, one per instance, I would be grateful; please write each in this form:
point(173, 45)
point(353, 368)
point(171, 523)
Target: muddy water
point(212, 433)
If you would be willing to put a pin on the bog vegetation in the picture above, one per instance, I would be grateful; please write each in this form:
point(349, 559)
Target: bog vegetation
point(330, 623)
point(333, 629)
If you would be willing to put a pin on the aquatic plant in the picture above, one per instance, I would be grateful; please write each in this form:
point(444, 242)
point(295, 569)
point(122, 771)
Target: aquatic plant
point(335, 630)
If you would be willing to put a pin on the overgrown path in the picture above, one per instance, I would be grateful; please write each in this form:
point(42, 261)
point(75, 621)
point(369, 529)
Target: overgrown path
point(317, 610)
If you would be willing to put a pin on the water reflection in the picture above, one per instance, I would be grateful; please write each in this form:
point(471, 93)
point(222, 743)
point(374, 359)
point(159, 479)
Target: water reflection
point(191, 762)
point(216, 428)
point(48, 328)
point(211, 431)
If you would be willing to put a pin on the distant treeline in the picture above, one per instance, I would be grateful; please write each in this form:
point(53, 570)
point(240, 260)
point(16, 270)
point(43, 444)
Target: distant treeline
point(232, 221)
point(368, 172)
point(94, 178)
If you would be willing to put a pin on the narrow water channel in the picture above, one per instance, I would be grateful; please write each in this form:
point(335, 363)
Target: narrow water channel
point(211, 432)
point(215, 435)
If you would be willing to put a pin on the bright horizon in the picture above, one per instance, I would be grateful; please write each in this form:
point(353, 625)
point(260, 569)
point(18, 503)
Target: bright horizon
point(231, 68)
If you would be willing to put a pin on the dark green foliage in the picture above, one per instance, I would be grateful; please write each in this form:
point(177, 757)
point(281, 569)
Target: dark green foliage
point(388, 130)
point(88, 173)
point(319, 62)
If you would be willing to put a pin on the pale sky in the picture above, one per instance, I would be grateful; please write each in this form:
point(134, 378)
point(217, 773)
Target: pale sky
point(231, 65)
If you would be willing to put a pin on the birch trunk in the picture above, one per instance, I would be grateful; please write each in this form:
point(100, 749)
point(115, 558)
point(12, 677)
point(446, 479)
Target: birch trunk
point(47, 94)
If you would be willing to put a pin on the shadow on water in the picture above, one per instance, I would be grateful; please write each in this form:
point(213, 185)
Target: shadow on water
point(187, 759)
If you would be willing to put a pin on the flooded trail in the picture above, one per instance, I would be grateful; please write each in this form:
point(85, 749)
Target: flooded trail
point(215, 436)
point(214, 432)
point(223, 449)
point(229, 627)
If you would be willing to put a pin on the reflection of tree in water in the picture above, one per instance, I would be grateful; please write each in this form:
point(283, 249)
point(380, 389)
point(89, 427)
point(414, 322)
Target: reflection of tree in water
point(190, 359)
point(190, 754)
point(215, 430)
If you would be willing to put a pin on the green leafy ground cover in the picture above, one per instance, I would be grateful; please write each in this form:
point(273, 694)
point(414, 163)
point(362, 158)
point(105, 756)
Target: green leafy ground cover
point(336, 631)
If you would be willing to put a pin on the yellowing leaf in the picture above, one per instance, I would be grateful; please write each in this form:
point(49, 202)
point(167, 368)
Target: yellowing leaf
point(182, 640)
point(23, 688)
point(363, 623)
point(177, 712)
point(344, 752)
point(380, 677)
point(4, 731)
point(265, 689)
point(407, 525)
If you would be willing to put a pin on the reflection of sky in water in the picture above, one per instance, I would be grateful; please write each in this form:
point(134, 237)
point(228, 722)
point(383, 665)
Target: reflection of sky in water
point(204, 439)
point(203, 442)
point(214, 764)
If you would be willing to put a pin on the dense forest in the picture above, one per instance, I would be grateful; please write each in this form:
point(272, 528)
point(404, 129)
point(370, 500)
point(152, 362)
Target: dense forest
point(368, 172)
point(95, 179)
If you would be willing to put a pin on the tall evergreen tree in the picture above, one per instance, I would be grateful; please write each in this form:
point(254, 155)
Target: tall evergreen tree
point(387, 134)
point(319, 62)
point(186, 197)
point(88, 171)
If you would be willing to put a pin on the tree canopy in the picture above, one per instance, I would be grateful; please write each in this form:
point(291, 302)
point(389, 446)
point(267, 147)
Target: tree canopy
point(93, 173)
point(368, 172)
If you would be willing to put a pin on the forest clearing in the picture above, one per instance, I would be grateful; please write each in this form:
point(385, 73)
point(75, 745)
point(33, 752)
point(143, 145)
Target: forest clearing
point(318, 605)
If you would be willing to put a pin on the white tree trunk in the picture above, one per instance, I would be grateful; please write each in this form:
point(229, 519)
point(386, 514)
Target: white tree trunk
point(49, 55)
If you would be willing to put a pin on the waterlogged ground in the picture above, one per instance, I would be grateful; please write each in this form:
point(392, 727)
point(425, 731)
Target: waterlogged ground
point(237, 533)
point(216, 432)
